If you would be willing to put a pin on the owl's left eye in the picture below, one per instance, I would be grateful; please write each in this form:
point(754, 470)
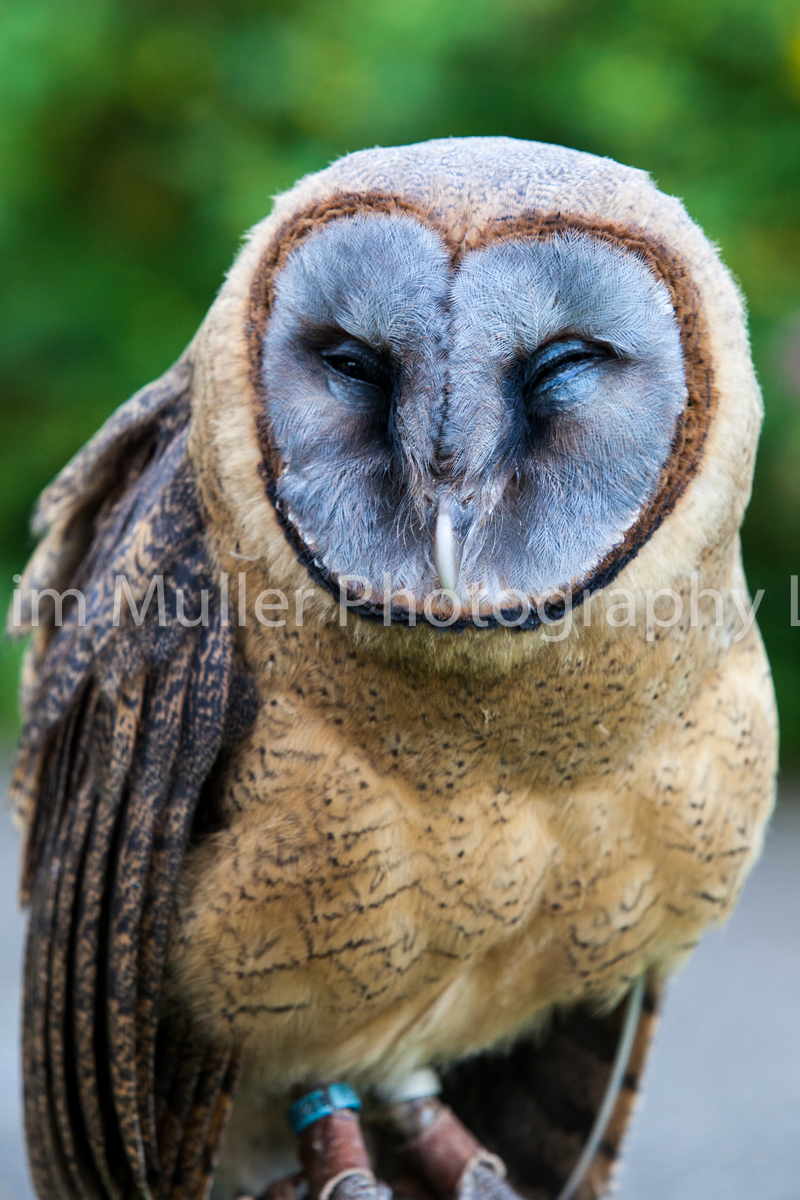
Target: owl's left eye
point(540, 381)
point(360, 363)
point(561, 361)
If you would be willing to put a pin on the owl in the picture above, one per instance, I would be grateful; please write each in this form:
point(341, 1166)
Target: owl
point(395, 719)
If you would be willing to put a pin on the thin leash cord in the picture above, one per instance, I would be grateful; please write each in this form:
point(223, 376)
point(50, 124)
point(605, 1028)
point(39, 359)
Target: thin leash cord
point(624, 1047)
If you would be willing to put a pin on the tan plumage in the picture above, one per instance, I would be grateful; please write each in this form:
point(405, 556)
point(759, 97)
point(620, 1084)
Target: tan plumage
point(410, 846)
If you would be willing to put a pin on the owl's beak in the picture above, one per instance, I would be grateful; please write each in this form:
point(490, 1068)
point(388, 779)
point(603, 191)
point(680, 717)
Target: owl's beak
point(446, 551)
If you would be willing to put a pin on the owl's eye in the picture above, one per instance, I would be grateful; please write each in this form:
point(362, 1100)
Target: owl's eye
point(360, 363)
point(539, 380)
point(559, 362)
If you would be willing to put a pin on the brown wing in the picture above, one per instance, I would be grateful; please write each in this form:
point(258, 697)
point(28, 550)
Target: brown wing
point(122, 727)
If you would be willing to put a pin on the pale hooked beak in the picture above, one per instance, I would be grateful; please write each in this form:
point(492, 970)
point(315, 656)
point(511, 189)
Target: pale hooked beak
point(446, 556)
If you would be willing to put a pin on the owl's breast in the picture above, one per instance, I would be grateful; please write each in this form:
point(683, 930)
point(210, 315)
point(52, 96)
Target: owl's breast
point(381, 892)
point(339, 884)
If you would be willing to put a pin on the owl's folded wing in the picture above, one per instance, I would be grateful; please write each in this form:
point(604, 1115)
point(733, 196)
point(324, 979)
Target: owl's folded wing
point(122, 727)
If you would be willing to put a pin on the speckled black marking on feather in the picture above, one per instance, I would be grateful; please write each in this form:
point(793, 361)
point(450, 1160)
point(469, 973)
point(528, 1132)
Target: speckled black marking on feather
point(122, 727)
point(48, 1170)
point(89, 1026)
point(203, 726)
point(186, 1062)
point(188, 1172)
point(219, 1119)
point(149, 786)
point(63, 1080)
point(46, 1103)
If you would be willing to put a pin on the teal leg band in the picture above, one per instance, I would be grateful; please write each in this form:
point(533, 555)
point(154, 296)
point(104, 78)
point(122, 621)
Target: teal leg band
point(321, 1103)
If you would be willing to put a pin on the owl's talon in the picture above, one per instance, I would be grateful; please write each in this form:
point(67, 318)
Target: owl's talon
point(436, 1145)
point(357, 1185)
point(335, 1162)
point(483, 1182)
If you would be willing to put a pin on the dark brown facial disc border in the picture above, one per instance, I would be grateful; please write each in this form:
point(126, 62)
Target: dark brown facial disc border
point(690, 433)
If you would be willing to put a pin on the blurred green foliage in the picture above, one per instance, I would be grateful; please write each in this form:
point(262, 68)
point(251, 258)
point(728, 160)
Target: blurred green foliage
point(138, 139)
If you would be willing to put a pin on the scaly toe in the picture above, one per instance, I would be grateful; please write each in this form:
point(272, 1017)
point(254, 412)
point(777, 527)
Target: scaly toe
point(437, 1146)
point(335, 1162)
point(482, 1182)
point(359, 1186)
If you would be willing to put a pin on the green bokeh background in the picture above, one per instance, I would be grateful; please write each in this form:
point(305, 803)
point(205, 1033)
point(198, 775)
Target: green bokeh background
point(139, 138)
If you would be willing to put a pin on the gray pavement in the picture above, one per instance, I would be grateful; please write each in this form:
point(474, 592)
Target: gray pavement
point(720, 1118)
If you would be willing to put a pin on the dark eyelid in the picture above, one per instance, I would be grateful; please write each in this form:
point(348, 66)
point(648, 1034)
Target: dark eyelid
point(342, 346)
point(555, 358)
point(376, 369)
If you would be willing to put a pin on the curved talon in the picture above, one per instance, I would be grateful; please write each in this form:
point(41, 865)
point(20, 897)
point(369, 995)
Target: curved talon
point(359, 1185)
point(481, 1182)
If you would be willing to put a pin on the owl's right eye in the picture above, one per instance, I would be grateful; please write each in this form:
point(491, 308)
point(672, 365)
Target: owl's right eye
point(354, 360)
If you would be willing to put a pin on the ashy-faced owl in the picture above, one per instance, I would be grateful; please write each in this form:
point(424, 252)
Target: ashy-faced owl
point(406, 713)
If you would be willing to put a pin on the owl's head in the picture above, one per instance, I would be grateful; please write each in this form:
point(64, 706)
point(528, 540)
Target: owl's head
point(473, 380)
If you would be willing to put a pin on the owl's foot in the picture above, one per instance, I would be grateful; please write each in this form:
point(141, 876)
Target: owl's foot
point(440, 1149)
point(433, 1144)
point(335, 1162)
point(331, 1149)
